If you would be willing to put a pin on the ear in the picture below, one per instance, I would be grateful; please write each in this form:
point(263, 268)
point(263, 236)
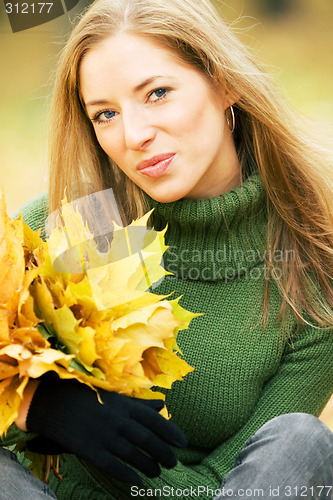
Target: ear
point(230, 99)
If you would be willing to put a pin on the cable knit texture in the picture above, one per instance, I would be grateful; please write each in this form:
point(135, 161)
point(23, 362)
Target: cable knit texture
point(244, 374)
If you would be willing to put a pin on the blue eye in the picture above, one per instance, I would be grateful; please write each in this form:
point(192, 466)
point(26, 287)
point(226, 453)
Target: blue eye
point(107, 114)
point(159, 92)
point(104, 116)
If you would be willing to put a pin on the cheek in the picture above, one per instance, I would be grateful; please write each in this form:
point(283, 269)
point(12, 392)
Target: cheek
point(188, 116)
point(198, 119)
point(108, 143)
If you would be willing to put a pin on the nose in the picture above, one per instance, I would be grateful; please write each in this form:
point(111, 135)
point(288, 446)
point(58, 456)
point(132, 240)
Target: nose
point(137, 129)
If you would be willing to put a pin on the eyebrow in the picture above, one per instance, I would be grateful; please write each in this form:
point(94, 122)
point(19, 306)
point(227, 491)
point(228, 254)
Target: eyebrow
point(136, 89)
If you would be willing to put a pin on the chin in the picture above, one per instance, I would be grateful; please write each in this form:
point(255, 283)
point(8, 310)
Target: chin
point(166, 197)
point(167, 190)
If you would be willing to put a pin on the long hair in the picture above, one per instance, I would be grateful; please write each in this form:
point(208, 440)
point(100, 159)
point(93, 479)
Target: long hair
point(295, 170)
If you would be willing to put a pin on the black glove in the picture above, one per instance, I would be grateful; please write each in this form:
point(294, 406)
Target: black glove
point(45, 446)
point(125, 428)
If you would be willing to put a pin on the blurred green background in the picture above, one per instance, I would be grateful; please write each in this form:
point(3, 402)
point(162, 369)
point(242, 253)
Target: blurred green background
point(292, 38)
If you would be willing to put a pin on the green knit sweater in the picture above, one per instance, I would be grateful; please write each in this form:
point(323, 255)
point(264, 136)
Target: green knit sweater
point(244, 374)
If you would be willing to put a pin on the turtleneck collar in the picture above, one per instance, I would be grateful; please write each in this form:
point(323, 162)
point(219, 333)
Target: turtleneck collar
point(214, 239)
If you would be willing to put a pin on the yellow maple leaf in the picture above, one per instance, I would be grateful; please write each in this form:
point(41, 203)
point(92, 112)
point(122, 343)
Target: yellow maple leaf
point(35, 364)
point(31, 239)
point(8, 367)
point(4, 326)
point(72, 246)
point(79, 340)
point(11, 390)
point(29, 337)
point(26, 316)
point(12, 264)
point(172, 368)
point(126, 347)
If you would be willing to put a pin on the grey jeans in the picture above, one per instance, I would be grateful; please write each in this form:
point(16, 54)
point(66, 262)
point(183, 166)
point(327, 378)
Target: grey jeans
point(18, 483)
point(290, 457)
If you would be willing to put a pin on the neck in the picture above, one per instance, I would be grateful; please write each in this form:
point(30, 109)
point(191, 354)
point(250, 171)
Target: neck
point(224, 175)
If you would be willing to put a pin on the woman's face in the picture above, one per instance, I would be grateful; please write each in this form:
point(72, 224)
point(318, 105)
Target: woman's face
point(158, 119)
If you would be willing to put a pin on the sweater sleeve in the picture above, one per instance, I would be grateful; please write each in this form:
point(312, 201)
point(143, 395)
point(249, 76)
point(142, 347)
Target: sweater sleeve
point(34, 213)
point(14, 435)
point(303, 383)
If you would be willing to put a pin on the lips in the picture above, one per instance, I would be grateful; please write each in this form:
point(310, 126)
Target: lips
point(155, 166)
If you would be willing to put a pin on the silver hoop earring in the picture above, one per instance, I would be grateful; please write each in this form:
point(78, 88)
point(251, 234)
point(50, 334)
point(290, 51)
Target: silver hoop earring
point(231, 121)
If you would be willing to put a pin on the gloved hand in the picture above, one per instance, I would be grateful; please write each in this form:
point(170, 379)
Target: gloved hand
point(125, 428)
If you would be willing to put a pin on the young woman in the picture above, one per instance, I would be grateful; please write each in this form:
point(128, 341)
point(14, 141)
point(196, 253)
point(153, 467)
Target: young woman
point(158, 100)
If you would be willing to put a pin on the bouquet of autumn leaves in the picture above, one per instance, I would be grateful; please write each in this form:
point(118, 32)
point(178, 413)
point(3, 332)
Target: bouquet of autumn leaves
point(84, 313)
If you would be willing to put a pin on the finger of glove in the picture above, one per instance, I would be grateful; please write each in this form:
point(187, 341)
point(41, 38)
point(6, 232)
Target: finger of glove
point(163, 428)
point(152, 445)
point(45, 446)
point(129, 453)
point(155, 404)
point(113, 467)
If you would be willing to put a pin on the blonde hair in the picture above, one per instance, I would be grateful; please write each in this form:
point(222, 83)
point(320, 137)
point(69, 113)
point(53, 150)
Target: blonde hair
point(269, 136)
